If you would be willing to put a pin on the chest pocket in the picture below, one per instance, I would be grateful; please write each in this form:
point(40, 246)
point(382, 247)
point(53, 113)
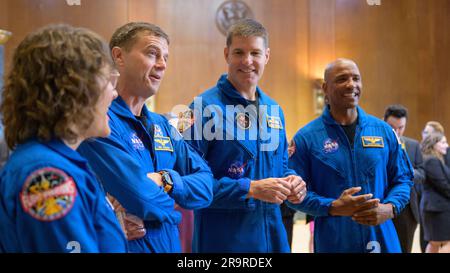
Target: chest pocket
point(372, 153)
point(165, 159)
point(232, 158)
point(330, 165)
point(136, 145)
point(163, 147)
point(273, 150)
point(332, 155)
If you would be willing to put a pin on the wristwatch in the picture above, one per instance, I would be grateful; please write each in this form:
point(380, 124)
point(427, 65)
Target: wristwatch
point(394, 210)
point(166, 180)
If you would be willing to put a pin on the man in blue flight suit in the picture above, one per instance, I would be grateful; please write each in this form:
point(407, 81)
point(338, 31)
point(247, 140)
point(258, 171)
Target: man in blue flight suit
point(144, 164)
point(344, 152)
point(247, 152)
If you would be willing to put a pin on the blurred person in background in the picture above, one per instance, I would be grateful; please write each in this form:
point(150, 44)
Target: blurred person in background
point(435, 204)
point(406, 222)
point(434, 126)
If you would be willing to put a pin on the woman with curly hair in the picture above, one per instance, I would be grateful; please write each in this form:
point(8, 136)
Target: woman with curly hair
point(434, 126)
point(435, 202)
point(56, 96)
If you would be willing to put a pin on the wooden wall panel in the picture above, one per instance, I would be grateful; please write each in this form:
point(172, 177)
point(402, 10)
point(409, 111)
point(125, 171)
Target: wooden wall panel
point(321, 37)
point(439, 70)
point(25, 16)
point(196, 51)
point(284, 79)
point(196, 48)
point(321, 45)
point(3, 14)
point(301, 112)
point(400, 46)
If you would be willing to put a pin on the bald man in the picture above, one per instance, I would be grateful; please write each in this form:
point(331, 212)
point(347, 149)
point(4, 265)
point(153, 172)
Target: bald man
point(357, 174)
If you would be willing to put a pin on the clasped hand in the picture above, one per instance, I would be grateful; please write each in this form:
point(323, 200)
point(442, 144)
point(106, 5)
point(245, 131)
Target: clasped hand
point(277, 190)
point(363, 209)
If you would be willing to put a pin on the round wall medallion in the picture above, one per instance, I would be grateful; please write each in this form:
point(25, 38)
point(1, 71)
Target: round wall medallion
point(231, 11)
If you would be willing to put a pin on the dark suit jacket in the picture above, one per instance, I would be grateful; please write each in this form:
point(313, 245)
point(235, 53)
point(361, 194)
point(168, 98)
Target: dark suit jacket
point(415, 156)
point(447, 158)
point(436, 190)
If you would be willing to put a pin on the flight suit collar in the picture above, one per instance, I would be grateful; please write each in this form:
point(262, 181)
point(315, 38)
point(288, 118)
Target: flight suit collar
point(61, 148)
point(119, 107)
point(329, 120)
point(228, 90)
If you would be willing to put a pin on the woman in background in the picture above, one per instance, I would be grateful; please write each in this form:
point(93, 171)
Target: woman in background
point(435, 202)
point(431, 127)
point(434, 126)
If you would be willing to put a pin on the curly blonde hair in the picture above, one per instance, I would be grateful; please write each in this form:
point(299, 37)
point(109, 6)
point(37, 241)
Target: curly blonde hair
point(428, 145)
point(53, 86)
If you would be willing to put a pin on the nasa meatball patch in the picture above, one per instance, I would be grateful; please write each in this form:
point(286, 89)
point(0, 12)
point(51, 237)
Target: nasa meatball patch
point(236, 170)
point(48, 194)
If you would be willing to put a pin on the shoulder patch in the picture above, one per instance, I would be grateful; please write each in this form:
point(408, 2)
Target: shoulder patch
point(48, 194)
point(185, 120)
point(174, 133)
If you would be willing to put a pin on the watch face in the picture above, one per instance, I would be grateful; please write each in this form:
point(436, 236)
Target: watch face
point(167, 181)
point(167, 178)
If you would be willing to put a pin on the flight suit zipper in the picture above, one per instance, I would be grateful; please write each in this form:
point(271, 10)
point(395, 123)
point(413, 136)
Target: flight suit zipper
point(354, 168)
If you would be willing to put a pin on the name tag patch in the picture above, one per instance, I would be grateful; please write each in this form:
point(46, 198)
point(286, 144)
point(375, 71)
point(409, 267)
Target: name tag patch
point(372, 142)
point(274, 122)
point(163, 144)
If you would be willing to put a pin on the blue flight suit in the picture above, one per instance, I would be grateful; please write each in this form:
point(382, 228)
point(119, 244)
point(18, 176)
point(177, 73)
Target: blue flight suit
point(51, 201)
point(136, 148)
point(376, 163)
point(240, 151)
